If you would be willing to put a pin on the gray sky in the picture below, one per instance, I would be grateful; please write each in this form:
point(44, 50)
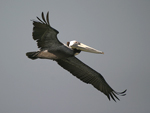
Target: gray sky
point(119, 28)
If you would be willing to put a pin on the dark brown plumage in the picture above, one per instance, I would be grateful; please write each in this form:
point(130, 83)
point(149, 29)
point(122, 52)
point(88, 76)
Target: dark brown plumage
point(64, 55)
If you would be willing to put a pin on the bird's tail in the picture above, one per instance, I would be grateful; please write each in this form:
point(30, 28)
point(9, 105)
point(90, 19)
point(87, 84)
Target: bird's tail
point(32, 55)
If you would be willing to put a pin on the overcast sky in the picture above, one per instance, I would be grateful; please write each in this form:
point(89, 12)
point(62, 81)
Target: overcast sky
point(120, 28)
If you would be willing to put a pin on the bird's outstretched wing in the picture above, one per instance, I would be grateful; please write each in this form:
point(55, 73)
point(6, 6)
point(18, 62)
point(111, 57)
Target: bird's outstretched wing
point(44, 34)
point(88, 75)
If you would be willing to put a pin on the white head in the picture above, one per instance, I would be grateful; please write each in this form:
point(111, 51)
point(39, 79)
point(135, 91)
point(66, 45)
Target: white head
point(82, 47)
point(71, 43)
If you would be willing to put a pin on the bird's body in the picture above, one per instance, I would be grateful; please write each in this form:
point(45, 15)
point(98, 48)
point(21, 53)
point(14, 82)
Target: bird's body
point(56, 53)
point(64, 55)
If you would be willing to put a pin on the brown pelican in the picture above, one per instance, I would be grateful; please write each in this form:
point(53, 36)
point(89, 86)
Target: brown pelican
point(64, 55)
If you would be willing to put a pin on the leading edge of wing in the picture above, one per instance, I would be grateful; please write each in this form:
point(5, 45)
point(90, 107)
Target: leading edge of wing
point(88, 75)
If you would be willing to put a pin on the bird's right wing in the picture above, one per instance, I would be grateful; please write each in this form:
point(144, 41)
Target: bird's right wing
point(44, 34)
point(88, 75)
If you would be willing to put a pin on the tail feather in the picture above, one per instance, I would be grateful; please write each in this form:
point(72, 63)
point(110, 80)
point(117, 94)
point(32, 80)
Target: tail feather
point(32, 55)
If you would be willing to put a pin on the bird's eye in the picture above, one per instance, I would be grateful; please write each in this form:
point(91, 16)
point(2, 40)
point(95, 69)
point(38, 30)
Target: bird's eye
point(77, 42)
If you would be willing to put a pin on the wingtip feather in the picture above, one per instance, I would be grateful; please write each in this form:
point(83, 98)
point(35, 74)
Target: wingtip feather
point(43, 17)
point(47, 18)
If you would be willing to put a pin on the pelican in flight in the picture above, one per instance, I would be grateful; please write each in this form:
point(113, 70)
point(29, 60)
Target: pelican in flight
point(64, 54)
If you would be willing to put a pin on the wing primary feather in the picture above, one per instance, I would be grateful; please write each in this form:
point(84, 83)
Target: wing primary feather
point(121, 93)
point(112, 97)
point(108, 97)
point(43, 18)
point(47, 18)
point(115, 95)
point(40, 20)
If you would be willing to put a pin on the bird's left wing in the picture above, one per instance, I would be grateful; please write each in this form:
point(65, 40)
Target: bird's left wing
point(44, 34)
point(88, 75)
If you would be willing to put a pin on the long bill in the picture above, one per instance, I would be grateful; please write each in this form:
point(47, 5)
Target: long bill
point(83, 47)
